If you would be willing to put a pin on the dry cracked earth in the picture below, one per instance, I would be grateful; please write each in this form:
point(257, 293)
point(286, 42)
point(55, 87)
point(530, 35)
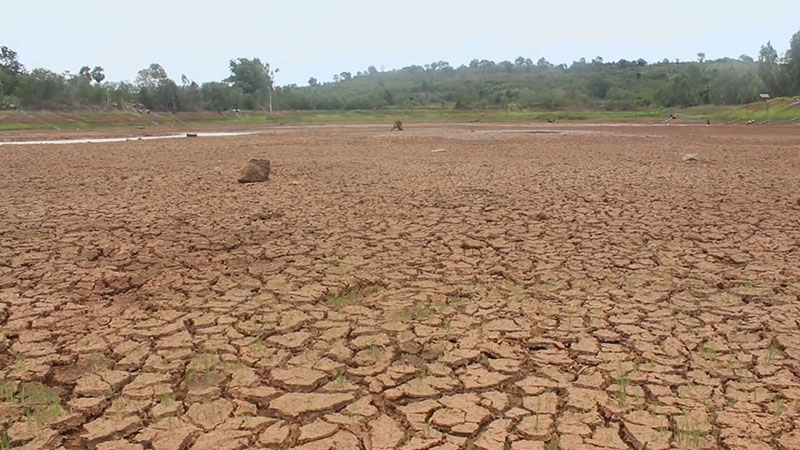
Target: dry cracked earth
point(576, 290)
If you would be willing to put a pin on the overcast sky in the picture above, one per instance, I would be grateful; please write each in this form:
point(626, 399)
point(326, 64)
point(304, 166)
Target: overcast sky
point(305, 38)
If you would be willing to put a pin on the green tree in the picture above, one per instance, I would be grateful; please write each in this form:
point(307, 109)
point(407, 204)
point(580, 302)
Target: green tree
point(598, 86)
point(768, 54)
point(733, 86)
point(167, 97)
point(255, 79)
point(220, 96)
point(793, 62)
point(97, 74)
point(42, 89)
point(86, 72)
point(11, 70)
point(768, 69)
point(155, 88)
point(151, 77)
point(313, 81)
point(249, 75)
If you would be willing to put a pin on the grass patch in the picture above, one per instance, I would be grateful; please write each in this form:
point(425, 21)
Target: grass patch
point(41, 404)
point(166, 400)
point(345, 298)
point(339, 378)
point(7, 391)
point(201, 368)
point(622, 384)
point(5, 443)
point(708, 351)
point(770, 354)
point(375, 351)
point(259, 343)
point(420, 311)
point(780, 407)
point(687, 434)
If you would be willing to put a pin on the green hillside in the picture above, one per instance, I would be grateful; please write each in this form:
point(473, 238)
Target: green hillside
point(482, 84)
point(613, 86)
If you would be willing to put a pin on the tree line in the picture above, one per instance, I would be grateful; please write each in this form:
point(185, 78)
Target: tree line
point(249, 86)
point(482, 83)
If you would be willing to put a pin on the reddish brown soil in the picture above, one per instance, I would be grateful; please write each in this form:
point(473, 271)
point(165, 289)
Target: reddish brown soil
point(524, 291)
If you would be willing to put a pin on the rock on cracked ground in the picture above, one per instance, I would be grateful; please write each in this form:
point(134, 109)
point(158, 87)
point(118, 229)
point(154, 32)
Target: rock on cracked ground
point(515, 291)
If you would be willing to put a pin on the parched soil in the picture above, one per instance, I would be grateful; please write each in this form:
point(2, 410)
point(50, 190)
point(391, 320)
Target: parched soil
point(445, 287)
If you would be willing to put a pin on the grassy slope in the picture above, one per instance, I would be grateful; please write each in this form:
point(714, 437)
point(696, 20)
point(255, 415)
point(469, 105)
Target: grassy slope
point(779, 110)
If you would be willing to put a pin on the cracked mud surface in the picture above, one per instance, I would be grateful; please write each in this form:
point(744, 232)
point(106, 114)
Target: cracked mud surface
point(575, 291)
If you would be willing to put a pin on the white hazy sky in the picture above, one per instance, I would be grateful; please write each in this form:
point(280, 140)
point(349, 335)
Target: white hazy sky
point(306, 38)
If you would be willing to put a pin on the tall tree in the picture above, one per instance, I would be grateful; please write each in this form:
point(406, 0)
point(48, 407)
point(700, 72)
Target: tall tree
point(86, 72)
point(253, 77)
point(152, 76)
point(11, 70)
point(152, 80)
point(9, 62)
point(793, 62)
point(768, 54)
point(768, 68)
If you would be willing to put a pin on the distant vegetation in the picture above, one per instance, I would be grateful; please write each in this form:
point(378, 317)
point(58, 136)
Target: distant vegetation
point(519, 85)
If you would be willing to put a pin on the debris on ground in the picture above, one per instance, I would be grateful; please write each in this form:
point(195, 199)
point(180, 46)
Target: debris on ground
point(256, 171)
point(478, 119)
point(689, 157)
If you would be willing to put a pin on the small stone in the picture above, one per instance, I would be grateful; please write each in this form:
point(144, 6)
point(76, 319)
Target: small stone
point(689, 157)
